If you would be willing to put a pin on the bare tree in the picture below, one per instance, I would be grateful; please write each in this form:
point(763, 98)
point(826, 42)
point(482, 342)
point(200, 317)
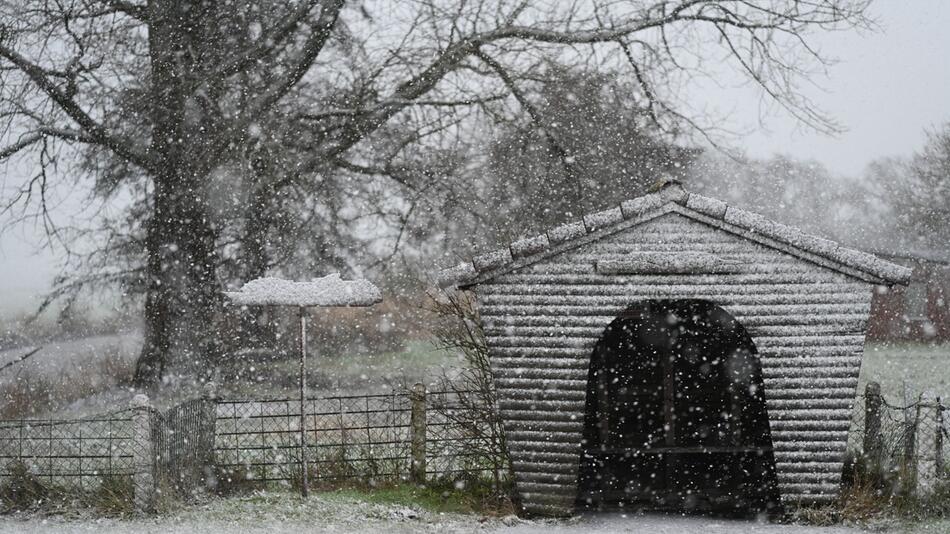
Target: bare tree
point(917, 192)
point(154, 99)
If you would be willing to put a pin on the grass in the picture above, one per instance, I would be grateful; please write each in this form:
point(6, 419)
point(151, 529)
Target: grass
point(882, 496)
point(438, 498)
point(61, 374)
point(349, 372)
point(435, 499)
point(24, 492)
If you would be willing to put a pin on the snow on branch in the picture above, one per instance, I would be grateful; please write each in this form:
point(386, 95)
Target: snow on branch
point(327, 291)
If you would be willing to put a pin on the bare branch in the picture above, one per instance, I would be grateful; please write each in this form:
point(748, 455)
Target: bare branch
point(130, 9)
point(267, 43)
point(319, 34)
point(96, 132)
point(11, 363)
point(536, 117)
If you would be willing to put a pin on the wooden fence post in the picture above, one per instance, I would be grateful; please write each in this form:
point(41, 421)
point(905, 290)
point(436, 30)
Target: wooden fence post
point(143, 455)
point(872, 421)
point(207, 429)
point(417, 434)
point(938, 438)
point(909, 432)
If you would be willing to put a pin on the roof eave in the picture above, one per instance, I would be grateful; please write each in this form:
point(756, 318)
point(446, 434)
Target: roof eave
point(674, 198)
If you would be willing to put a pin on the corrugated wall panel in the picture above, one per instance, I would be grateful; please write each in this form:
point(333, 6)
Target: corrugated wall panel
point(543, 320)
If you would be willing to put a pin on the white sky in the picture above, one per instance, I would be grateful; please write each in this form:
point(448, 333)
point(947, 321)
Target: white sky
point(887, 88)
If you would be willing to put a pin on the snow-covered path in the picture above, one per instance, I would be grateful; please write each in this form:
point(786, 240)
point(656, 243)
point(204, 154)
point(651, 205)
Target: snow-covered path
point(449, 524)
point(288, 515)
point(663, 524)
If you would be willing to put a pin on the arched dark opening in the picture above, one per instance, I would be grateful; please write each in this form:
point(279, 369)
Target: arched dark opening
point(676, 415)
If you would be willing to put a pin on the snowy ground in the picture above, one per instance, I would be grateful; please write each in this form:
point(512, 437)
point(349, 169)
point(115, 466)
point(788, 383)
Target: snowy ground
point(925, 369)
point(283, 513)
point(58, 358)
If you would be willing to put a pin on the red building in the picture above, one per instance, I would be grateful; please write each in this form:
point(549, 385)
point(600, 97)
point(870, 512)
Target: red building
point(919, 312)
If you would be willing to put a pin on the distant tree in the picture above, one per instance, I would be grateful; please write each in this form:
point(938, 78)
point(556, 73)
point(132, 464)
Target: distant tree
point(584, 143)
point(175, 108)
point(916, 190)
point(801, 193)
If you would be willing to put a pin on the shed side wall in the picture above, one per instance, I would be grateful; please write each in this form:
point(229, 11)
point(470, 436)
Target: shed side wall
point(543, 321)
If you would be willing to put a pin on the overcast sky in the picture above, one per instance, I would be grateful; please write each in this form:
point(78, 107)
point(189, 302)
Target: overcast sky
point(887, 88)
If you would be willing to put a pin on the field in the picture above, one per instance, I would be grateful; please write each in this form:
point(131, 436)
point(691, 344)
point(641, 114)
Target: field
point(88, 375)
point(925, 369)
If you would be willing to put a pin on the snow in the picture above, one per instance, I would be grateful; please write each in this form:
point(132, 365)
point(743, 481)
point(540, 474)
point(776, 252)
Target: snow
point(566, 232)
point(327, 291)
point(603, 219)
point(282, 512)
point(491, 260)
point(287, 514)
point(636, 207)
point(717, 209)
point(709, 206)
point(530, 245)
point(455, 275)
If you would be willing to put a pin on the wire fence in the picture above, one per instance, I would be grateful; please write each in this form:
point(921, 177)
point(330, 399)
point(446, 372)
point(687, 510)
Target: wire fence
point(203, 444)
point(74, 454)
point(911, 438)
point(366, 437)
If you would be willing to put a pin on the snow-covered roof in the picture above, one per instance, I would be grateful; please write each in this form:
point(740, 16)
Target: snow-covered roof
point(327, 291)
point(673, 198)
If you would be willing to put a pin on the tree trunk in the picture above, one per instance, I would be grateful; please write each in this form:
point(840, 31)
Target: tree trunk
point(254, 327)
point(182, 291)
point(182, 295)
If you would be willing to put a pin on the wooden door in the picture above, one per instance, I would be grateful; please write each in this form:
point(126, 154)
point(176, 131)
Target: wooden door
point(676, 413)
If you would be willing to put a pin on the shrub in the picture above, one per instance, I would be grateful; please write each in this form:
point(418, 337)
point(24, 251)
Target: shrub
point(877, 489)
point(234, 481)
point(472, 408)
point(23, 490)
point(115, 495)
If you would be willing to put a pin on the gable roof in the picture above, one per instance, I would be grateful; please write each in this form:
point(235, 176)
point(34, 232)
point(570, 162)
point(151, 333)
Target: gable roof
point(672, 198)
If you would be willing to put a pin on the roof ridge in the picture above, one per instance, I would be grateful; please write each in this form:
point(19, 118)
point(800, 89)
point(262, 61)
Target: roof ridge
point(672, 192)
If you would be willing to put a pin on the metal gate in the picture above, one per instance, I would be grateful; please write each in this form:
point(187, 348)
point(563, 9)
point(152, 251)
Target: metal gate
point(183, 437)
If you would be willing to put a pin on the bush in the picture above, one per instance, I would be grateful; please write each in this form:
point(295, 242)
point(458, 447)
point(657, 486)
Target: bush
point(114, 496)
point(23, 490)
point(873, 490)
point(472, 407)
point(234, 481)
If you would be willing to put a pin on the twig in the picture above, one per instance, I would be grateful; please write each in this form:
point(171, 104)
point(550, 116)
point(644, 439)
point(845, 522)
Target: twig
point(20, 359)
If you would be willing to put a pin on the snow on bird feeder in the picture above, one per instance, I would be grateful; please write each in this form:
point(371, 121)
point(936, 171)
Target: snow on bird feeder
point(326, 292)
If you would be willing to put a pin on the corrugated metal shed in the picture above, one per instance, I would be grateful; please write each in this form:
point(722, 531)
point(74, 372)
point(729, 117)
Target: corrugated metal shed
point(545, 301)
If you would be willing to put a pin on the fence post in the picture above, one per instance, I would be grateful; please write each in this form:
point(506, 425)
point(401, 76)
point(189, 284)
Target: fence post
point(207, 424)
point(872, 422)
point(927, 466)
point(143, 455)
point(417, 434)
point(909, 432)
point(938, 438)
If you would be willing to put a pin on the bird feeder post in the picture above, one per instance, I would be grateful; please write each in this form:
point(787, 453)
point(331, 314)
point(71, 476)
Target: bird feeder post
point(329, 291)
point(304, 489)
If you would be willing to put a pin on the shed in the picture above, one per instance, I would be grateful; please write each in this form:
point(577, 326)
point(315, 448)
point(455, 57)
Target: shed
point(674, 351)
